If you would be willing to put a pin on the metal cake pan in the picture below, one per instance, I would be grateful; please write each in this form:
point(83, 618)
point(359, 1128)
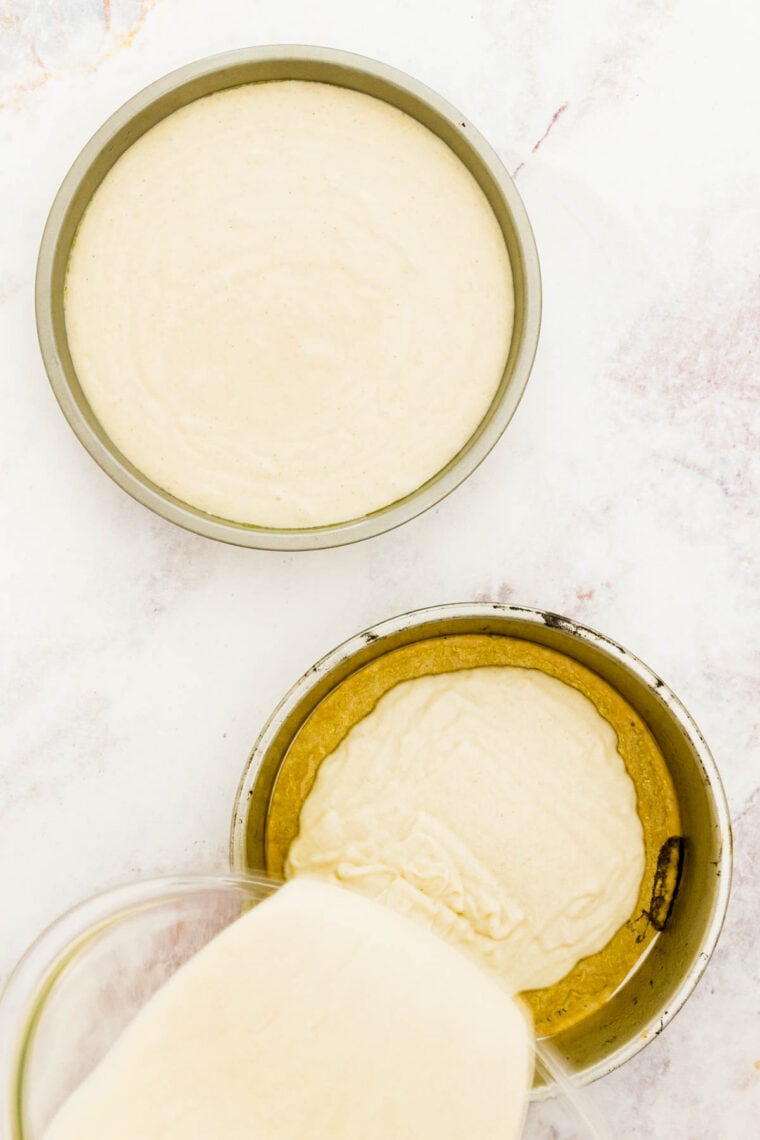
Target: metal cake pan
point(667, 974)
point(253, 65)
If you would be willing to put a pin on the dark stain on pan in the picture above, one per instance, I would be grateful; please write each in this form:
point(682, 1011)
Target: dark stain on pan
point(556, 621)
point(667, 877)
point(662, 1023)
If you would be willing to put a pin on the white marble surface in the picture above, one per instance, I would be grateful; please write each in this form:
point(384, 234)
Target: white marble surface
point(140, 661)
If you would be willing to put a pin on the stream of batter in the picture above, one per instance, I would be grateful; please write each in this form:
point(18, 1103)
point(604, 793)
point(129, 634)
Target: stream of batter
point(319, 1014)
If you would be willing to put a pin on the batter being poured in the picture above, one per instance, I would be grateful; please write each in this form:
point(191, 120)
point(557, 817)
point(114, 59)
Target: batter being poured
point(319, 1014)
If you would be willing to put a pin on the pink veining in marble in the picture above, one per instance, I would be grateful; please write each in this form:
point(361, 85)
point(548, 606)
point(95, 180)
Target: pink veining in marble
point(698, 364)
point(38, 42)
point(503, 592)
point(539, 142)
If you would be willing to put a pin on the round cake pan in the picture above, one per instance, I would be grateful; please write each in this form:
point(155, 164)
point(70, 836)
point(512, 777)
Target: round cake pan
point(667, 974)
point(253, 65)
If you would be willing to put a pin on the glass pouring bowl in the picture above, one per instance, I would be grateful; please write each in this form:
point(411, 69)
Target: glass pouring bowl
point(82, 981)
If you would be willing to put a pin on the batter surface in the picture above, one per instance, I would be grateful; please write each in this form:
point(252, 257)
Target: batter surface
point(289, 304)
point(595, 977)
point(319, 1014)
point(491, 804)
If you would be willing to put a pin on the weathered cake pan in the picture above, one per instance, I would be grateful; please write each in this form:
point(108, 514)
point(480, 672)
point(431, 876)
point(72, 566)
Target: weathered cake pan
point(667, 973)
point(252, 65)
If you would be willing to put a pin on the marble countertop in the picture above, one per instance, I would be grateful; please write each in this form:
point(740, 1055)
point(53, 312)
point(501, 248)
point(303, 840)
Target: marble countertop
point(139, 661)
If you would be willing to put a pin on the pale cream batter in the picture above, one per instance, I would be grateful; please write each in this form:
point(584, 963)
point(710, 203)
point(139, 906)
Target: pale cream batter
point(289, 304)
point(493, 805)
point(319, 1014)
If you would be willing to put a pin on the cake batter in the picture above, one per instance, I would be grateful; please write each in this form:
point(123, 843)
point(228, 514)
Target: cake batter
point(289, 304)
